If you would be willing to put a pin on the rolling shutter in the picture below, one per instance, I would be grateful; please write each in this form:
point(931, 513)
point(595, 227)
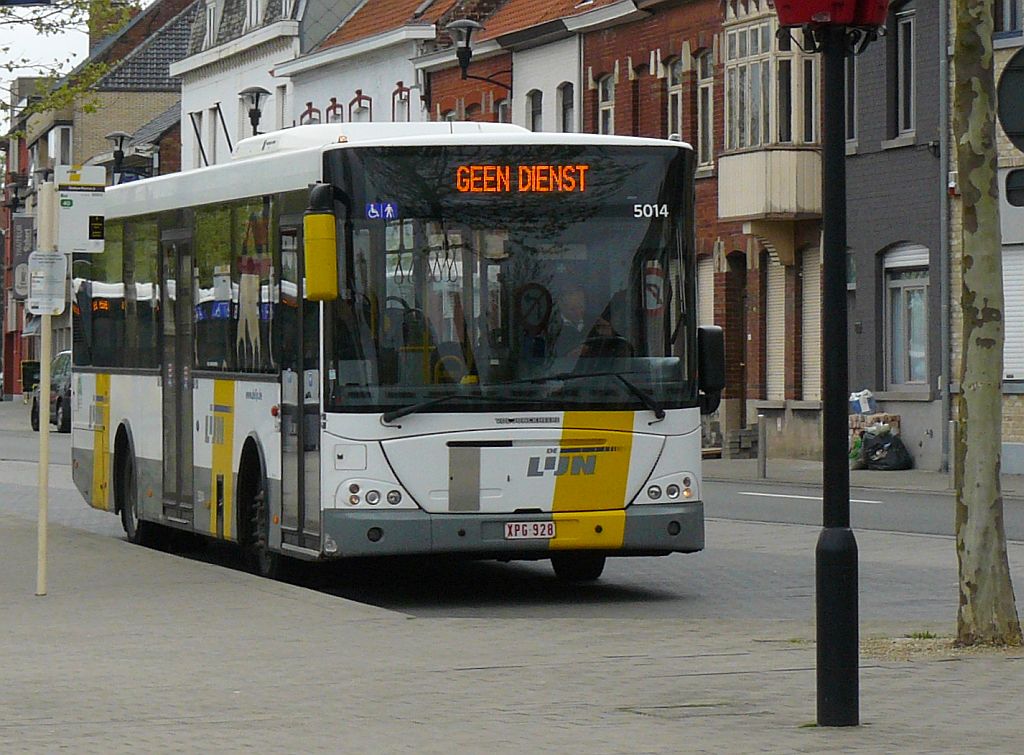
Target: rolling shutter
point(1013, 312)
point(810, 308)
point(705, 291)
point(776, 335)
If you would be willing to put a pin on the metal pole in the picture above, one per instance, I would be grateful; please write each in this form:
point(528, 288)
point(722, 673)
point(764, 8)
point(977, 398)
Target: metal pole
point(46, 242)
point(44, 451)
point(836, 552)
point(762, 447)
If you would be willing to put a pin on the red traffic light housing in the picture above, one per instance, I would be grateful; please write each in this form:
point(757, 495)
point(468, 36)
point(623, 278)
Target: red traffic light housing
point(869, 13)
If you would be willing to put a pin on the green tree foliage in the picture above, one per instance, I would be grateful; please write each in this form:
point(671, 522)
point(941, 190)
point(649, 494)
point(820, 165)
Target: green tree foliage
point(60, 85)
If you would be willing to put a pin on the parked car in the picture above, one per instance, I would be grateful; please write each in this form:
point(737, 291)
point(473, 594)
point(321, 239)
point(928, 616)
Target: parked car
point(60, 394)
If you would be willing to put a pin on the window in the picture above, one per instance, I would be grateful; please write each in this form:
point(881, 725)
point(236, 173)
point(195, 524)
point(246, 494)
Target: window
point(675, 98)
point(1007, 16)
point(198, 150)
point(504, 110)
point(1015, 188)
point(535, 110)
point(252, 14)
point(59, 145)
point(211, 24)
point(851, 98)
point(771, 85)
point(567, 107)
point(211, 137)
point(280, 107)
point(234, 282)
point(606, 105)
point(705, 110)
point(811, 100)
point(905, 72)
point(114, 312)
point(906, 315)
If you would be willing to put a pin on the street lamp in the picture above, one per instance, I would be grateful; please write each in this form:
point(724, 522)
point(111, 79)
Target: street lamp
point(835, 28)
point(116, 139)
point(463, 30)
point(252, 96)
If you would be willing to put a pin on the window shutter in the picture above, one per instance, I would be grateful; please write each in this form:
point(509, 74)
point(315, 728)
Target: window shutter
point(1013, 312)
point(705, 291)
point(810, 308)
point(776, 327)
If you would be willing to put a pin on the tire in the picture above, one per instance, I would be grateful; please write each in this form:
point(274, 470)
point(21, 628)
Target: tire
point(136, 530)
point(63, 418)
point(258, 556)
point(578, 567)
point(33, 416)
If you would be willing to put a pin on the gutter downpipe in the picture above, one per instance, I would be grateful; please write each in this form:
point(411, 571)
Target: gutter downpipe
point(944, 236)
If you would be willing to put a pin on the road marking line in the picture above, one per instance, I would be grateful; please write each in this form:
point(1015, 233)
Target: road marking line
point(803, 497)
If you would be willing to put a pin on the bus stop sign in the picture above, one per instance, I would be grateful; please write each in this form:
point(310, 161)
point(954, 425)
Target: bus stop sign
point(47, 272)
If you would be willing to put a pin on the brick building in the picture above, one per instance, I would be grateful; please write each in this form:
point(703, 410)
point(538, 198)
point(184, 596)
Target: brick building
point(135, 88)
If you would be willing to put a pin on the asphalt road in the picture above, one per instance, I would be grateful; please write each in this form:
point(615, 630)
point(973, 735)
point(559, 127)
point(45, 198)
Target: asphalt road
point(870, 509)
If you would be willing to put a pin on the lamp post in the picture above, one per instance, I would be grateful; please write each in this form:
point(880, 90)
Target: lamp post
point(836, 29)
point(116, 138)
point(253, 95)
point(463, 30)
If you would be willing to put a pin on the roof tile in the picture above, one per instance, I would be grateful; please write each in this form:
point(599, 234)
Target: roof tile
point(379, 16)
point(517, 15)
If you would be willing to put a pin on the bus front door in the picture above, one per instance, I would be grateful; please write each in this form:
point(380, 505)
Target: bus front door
point(300, 399)
point(176, 376)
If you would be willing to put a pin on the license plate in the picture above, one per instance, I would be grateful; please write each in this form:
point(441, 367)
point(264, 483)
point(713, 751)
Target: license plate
point(529, 530)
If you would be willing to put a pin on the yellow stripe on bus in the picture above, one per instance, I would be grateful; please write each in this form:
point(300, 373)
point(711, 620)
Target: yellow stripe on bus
point(593, 463)
point(100, 497)
point(589, 529)
point(222, 441)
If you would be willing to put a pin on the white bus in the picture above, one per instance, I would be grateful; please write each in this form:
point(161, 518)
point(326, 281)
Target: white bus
point(384, 339)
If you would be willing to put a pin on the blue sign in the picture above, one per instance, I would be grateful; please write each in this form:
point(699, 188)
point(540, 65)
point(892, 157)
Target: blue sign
point(381, 211)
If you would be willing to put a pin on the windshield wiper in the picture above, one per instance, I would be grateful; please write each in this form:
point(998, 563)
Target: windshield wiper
point(391, 416)
point(644, 397)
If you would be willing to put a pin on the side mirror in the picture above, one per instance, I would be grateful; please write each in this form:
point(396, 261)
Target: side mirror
point(320, 245)
point(710, 366)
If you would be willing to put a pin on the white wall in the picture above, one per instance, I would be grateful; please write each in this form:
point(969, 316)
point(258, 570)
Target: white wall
point(545, 68)
point(203, 88)
point(376, 73)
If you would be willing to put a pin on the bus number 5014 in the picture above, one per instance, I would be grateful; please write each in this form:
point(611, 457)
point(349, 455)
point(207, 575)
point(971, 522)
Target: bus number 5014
point(650, 211)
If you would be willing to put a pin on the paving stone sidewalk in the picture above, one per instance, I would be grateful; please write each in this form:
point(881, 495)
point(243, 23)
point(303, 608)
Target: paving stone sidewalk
point(136, 650)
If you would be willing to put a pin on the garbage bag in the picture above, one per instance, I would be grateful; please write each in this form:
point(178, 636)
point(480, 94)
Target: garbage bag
point(886, 452)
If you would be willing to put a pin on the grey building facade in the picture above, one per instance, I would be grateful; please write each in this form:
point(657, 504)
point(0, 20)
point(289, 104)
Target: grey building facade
point(897, 168)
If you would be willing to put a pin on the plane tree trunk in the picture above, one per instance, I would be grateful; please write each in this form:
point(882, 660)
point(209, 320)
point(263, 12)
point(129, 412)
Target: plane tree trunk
point(987, 612)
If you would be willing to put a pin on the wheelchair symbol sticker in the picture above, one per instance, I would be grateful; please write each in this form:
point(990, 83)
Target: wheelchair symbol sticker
point(381, 211)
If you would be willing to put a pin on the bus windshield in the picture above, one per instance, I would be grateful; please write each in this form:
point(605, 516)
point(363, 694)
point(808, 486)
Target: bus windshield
point(498, 272)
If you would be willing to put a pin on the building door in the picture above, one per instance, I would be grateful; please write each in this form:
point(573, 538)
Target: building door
point(176, 374)
point(300, 398)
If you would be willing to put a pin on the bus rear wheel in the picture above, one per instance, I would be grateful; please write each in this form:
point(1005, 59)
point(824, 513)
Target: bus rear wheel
point(578, 567)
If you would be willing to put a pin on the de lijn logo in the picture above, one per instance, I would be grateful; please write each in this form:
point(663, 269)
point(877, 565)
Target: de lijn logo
point(567, 461)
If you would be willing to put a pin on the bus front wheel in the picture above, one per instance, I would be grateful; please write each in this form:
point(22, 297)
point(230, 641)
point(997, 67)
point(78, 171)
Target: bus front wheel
point(136, 530)
point(578, 567)
point(256, 519)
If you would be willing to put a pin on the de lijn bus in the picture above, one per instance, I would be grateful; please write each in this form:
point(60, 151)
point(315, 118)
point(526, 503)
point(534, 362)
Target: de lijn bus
point(390, 339)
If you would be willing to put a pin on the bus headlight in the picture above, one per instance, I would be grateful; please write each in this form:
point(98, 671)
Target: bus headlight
point(394, 497)
point(373, 497)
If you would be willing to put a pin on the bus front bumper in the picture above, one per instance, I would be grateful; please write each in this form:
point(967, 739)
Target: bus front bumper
point(647, 529)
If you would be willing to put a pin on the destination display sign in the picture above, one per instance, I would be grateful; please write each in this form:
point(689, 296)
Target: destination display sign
point(537, 179)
